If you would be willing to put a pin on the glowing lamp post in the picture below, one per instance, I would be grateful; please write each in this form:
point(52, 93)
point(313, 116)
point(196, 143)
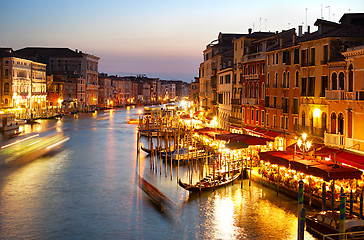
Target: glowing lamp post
point(303, 144)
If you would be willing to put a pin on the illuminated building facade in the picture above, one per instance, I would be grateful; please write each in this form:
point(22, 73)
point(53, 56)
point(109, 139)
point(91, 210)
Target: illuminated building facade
point(23, 85)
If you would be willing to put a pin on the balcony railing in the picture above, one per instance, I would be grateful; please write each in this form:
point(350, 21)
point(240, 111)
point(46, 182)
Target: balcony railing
point(234, 120)
point(250, 101)
point(252, 76)
point(335, 94)
point(334, 139)
point(254, 56)
point(314, 131)
point(235, 101)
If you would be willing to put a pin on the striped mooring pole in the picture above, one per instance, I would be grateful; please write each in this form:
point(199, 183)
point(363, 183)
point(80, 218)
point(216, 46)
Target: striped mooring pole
point(342, 213)
point(361, 206)
point(300, 207)
point(324, 196)
point(302, 224)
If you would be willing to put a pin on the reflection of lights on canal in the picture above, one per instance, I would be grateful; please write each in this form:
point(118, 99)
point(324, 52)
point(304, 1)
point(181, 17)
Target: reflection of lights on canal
point(224, 217)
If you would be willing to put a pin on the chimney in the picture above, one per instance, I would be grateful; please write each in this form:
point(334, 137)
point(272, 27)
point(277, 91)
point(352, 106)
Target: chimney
point(308, 29)
point(300, 30)
point(249, 30)
point(281, 42)
point(76, 50)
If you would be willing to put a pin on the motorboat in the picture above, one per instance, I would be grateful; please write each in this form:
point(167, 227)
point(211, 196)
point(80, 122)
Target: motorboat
point(328, 223)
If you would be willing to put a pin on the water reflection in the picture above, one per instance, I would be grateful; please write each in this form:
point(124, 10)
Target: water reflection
point(87, 190)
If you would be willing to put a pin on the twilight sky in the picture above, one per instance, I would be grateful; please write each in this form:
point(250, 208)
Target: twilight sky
point(159, 38)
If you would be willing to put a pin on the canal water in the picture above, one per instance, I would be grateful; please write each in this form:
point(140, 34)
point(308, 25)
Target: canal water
point(87, 189)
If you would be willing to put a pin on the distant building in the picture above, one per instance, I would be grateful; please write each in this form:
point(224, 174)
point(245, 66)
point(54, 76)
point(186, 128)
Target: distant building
point(23, 84)
point(194, 90)
point(65, 60)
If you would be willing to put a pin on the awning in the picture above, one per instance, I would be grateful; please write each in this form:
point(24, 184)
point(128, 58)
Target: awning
point(326, 170)
point(227, 137)
point(262, 132)
point(236, 145)
point(327, 151)
point(351, 159)
point(342, 156)
point(250, 140)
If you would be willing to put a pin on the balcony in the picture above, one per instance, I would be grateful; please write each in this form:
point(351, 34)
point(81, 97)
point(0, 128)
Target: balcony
point(235, 121)
point(359, 95)
point(252, 76)
point(313, 131)
point(334, 139)
point(250, 101)
point(335, 94)
point(254, 56)
point(235, 101)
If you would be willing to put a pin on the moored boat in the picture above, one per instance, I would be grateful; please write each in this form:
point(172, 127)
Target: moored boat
point(327, 223)
point(208, 183)
point(8, 122)
point(154, 195)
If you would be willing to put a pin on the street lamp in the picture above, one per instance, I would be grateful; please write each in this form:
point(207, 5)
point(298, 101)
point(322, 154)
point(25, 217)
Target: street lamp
point(303, 144)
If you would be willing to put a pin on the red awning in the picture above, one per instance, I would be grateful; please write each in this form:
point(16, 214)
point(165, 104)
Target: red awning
point(326, 170)
point(248, 128)
point(262, 132)
point(250, 140)
point(351, 159)
point(327, 151)
point(227, 137)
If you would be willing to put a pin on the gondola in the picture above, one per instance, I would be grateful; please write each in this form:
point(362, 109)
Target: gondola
point(147, 150)
point(208, 183)
point(154, 195)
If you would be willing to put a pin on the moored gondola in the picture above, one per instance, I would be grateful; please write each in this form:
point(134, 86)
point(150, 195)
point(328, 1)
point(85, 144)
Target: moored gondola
point(209, 184)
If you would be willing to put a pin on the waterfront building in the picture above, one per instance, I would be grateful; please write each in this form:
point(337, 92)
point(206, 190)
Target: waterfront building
point(345, 105)
point(194, 90)
point(23, 84)
point(106, 93)
point(215, 58)
point(68, 61)
point(168, 90)
point(281, 81)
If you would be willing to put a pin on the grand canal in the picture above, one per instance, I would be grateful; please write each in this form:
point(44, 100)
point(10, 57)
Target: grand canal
point(87, 190)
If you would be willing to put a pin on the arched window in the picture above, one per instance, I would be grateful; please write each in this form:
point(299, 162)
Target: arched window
point(303, 121)
point(284, 80)
point(334, 81)
point(323, 121)
point(296, 81)
point(263, 90)
point(243, 95)
point(252, 92)
point(341, 81)
point(340, 123)
point(268, 80)
point(351, 79)
point(6, 72)
point(6, 87)
point(248, 90)
point(248, 69)
point(333, 123)
point(288, 79)
point(275, 80)
point(257, 91)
